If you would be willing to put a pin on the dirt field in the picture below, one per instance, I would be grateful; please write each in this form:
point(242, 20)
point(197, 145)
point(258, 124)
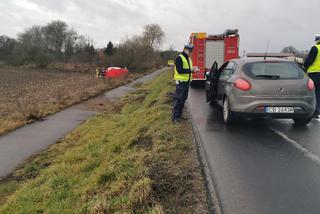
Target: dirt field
point(27, 94)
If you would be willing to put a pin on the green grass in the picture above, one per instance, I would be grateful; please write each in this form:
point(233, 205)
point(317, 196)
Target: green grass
point(129, 159)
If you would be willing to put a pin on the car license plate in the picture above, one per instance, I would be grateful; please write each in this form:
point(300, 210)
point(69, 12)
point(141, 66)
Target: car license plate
point(279, 109)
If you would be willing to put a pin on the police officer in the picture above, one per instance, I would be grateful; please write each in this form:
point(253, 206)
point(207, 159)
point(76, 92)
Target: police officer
point(312, 64)
point(182, 75)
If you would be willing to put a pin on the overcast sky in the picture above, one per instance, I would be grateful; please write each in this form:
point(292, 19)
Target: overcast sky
point(283, 22)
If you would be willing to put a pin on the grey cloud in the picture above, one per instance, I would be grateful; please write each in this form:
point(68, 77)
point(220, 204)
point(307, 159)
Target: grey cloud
point(283, 22)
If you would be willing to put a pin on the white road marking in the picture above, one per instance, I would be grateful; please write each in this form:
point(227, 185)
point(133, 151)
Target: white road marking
point(305, 151)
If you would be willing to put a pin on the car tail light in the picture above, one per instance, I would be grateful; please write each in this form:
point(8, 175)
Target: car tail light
point(310, 85)
point(242, 84)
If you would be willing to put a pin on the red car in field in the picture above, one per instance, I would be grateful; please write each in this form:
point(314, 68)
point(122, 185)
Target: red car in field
point(116, 72)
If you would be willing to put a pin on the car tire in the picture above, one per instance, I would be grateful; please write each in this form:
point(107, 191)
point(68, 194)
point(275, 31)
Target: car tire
point(228, 115)
point(197, 84)
point(302, 121)
point(210, 100)
point(214, 104)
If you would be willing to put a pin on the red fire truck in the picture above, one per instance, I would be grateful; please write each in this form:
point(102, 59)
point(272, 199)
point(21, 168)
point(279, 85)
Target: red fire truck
point(209, 48)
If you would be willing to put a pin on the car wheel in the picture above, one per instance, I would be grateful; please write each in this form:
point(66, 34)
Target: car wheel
point(302, 121)
point(227, 113)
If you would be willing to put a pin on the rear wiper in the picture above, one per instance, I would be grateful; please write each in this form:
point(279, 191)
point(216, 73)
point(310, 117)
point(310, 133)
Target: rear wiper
point(269, 76)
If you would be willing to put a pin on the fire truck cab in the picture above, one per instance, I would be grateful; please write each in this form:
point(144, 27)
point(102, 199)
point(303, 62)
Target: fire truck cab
point(210, 48)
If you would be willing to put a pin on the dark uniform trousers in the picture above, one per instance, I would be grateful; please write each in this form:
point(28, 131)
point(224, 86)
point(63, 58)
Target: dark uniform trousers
point(316, 79)
point(179, 98)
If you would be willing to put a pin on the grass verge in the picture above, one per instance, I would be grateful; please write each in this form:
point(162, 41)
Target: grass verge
point(129, 159)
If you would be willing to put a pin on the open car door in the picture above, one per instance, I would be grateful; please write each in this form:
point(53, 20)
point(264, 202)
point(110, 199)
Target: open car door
point(212, 78)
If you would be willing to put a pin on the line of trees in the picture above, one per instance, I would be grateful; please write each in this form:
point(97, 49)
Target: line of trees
point(57, 42)
point(41, 45)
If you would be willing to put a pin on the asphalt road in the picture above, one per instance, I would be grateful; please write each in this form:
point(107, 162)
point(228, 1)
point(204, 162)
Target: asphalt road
point(19, 145)
point(260, 166)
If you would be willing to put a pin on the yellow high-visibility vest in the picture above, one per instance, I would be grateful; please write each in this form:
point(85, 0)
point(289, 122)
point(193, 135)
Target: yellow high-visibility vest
point(185, 65)
point(315, 67)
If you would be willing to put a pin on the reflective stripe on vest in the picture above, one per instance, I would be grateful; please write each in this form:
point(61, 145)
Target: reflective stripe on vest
point(185, 65)
point(315, 67)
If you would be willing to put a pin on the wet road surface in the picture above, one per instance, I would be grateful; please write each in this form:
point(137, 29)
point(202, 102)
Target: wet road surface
point(17, 146)
point(260, 166)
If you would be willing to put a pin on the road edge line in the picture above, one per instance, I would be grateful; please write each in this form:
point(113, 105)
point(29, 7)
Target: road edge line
point(213, 200)
point(298, 146)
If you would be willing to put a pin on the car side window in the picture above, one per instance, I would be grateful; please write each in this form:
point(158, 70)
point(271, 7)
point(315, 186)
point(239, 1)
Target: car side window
point(228, 71)
point(223, 67)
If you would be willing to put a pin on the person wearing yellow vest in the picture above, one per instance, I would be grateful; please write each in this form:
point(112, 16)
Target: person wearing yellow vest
point(312, 65)
point(182, 75)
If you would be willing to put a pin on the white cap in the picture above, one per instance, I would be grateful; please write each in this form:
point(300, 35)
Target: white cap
point(317, 37)
point(189, 46)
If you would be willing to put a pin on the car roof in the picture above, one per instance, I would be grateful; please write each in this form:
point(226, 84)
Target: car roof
point(259, 59)
point(114, 68)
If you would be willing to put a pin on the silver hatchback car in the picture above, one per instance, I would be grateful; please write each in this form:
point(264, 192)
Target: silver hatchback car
point(268, 88)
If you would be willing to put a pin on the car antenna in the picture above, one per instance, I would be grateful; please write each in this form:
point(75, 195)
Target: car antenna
point(265, 55)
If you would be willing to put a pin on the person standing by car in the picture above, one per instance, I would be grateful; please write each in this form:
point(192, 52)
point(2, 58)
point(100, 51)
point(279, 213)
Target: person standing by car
point(312, 65)
point(182, 75)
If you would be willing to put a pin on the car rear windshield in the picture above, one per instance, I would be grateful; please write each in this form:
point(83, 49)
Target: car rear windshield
point(273, 70)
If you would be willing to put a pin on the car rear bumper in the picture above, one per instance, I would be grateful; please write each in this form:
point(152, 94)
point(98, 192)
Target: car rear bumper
point(267, 115)
point(255, 106)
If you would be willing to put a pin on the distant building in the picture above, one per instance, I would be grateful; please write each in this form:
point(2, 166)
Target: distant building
point(296, 59)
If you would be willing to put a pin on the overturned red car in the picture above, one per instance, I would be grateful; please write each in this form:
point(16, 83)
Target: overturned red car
point(115, 72)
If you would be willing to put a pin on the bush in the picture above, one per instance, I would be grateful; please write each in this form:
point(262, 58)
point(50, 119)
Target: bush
point(140, 51)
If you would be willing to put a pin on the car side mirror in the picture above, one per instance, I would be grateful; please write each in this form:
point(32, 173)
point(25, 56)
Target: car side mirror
point(207, 74)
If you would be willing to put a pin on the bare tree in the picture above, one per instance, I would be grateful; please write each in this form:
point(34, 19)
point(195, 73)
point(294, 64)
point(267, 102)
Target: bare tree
point(70, 43)
point(55, 34)
point(153, 35)
point(33, 46)
point(290, 49)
